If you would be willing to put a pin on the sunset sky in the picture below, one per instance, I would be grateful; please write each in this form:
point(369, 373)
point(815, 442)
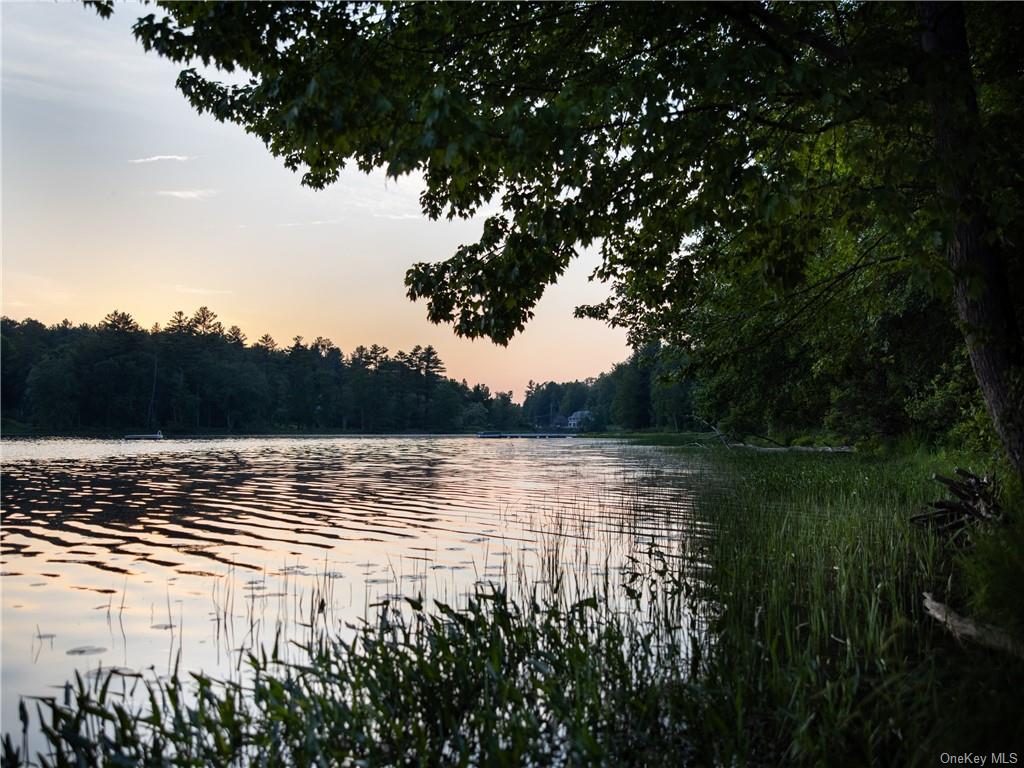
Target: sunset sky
point(117, 195)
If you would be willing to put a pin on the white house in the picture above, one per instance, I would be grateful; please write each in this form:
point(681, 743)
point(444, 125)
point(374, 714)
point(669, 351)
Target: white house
point(579, 419)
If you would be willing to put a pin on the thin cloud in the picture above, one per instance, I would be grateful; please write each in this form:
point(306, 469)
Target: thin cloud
point(375, 215)
point(160, 158)
point(314, 223)
point(399, 216)
point(32, 289)
point(188, 194)
point(202, 291)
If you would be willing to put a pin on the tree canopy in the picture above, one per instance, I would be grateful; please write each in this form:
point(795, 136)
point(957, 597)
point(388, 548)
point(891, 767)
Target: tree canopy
point(723, 157)
point(193, 376)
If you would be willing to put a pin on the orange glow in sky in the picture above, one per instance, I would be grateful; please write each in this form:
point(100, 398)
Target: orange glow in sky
point(117, 195)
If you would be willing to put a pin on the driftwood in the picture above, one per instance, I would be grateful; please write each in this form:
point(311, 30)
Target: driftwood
point(975, 504)
point(730, 441)
point(964, 628)
point(798, 448)
point(718, 433)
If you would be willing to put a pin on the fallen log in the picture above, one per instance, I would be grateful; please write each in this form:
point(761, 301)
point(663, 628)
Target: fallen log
point(730, 441)
point(965, 628)
point(798, 448)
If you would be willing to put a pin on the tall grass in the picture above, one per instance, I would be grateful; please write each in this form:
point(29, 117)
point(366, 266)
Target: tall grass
point(823, 644)
point(792, 634)
point(495, 682)
point(821, 576)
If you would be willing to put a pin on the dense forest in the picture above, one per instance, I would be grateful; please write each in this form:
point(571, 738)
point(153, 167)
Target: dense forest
point(193, 375)
point(866, 361)
point(651, 390)
point(834, 376)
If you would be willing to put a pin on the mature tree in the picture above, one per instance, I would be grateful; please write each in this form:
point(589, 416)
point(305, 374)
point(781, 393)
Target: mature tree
point(445, 407)
point(321, 346)
point(119, 322)
point(22, 345)
point(574, 398)
point(235, 337)
point(266, 342)
point(503, 414)
point(428, 362)
point(204, 322)
point(631, 404)
point(687, 139)
point(548, 405)
point(672, 402)
point(179, 323)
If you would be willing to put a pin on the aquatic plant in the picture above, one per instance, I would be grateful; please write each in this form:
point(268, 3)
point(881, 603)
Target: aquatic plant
point(788, 627)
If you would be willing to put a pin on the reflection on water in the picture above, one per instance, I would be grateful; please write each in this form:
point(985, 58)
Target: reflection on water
point(129, 555)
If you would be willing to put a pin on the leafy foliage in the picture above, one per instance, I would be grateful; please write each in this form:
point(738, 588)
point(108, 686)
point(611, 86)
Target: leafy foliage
point(646, 391)
point(851, 388)
point(794, 176)
point(685, 139)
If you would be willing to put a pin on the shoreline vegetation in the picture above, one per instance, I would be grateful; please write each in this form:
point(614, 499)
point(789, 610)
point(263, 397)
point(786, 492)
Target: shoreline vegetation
point(16, 430)
point(193, 377)
point(808, 221)
point(808, 642)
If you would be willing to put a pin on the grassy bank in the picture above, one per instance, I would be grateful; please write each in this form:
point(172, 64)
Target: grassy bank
point(823, 643)
point(810, 647)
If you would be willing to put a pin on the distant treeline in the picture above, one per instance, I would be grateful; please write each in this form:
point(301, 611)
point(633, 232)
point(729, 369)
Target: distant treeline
point(857, 371)
point(648, 391)
point(193, 375)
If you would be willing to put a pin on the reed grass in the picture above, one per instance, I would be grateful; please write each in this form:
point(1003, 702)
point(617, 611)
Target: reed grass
point(786, 629)
point(823, 643)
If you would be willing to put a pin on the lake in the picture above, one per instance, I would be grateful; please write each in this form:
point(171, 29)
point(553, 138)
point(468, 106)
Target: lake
point(133, 555)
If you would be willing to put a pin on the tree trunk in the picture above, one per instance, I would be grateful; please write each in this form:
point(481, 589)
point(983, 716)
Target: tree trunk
point(982, 296)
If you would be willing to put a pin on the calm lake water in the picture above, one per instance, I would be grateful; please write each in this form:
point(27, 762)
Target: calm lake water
point(128, 555)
